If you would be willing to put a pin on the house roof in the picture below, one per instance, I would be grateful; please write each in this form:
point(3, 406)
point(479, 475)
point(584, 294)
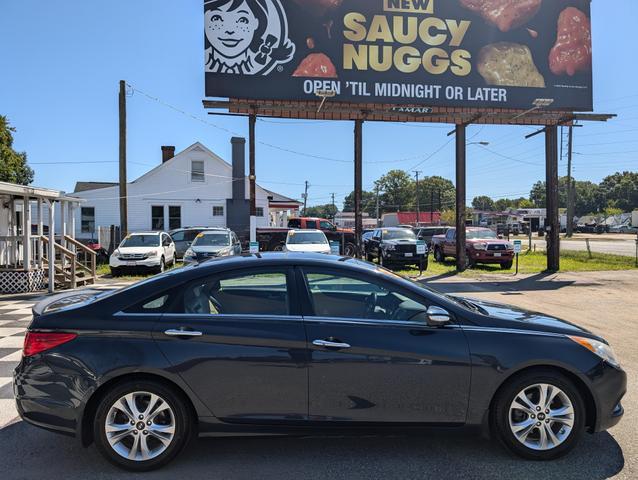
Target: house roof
point(278, 198)
point(83, 186)
point(15, 190)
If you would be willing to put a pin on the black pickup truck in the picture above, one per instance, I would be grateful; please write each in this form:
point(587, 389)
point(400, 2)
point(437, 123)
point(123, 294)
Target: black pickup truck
point(273, 239)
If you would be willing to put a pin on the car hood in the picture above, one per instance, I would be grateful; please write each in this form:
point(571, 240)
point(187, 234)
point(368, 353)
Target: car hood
point(133, 250)
point(209, 249)
point(313, 247)
point(514, 317)
point(399, 242)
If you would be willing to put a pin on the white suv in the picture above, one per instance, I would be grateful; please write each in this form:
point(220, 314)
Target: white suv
point(143, 251)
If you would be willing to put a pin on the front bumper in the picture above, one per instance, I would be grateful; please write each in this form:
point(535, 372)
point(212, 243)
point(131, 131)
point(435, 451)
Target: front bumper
point(609, 386)
point(151, 262)
point(489, 256)
point(400, 257)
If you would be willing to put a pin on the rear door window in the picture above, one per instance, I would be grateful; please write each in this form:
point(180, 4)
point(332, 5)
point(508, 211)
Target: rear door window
point(245, 293)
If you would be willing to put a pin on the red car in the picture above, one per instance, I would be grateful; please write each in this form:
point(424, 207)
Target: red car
point(482, 245)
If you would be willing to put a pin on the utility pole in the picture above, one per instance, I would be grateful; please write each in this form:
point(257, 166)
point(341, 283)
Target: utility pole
point(570, 186)
point(418, 210)
point(305, 198)
point(122, 161)
point(439, 192)
point(377, 209)
point(334, 208)
point(252, 119)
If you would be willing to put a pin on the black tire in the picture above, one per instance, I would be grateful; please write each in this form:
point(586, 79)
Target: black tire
point(506, 265)
point(350, 250)
point(182, 416)
point(469, 262)
point(381, 261)
point(115, 272)
point(279, 247)
point(438, 255)
point(501, 411)
point(162, 266)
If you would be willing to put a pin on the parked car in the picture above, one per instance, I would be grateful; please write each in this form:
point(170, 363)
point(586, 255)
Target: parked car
point(365, 238)
point(183, 238)
point(592, 228)
point(482, 245)
point(143, 252)
point(394, 245)
point(273, 239)
point(426, 233)
point(212, 243)
point(307, 241)
point(305, 343)
point(623, 229)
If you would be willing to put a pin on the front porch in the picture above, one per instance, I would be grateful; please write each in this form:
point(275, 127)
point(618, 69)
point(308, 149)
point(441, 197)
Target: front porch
point(33, 256)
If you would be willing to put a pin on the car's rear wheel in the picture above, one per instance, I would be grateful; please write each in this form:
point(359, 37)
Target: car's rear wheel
point(539, 415)
point(141, 425)
point(162, 265)
point(506, 265)
point(438, 255)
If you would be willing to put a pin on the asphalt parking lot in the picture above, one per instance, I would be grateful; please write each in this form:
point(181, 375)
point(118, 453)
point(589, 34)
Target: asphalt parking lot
point(604, 302)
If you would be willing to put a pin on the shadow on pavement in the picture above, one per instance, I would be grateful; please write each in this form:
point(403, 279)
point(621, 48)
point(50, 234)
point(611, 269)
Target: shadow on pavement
point(511, 285)
point(28, 452)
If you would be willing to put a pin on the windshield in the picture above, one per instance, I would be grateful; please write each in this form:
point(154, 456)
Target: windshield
point(306, 238)
point(220, 239)
point(486, 233)
point(141, 241)
point(398, 235)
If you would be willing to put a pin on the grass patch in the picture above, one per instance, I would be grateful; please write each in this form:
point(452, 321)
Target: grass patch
point(105, 271)
point(536, 262)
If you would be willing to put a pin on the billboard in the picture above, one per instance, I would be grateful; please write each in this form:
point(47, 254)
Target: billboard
point(435, 53)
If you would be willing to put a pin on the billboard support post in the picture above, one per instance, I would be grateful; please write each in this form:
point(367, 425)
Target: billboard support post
point(461, 261)
point(551, 192)
point(122, 162)
point(251, 176)
point(358, 184)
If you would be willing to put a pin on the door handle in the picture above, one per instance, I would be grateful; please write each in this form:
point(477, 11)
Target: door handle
point(182, 333)
point(328, 344)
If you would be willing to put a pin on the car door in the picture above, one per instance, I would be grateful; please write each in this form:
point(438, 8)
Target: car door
point(169, 247)
point(238, 340)
point(372, 359)
point(449, 246)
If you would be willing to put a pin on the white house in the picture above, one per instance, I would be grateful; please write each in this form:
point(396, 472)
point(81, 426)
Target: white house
point(192, 188)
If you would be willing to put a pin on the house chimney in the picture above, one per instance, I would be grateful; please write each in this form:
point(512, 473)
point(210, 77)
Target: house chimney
point(168, 152)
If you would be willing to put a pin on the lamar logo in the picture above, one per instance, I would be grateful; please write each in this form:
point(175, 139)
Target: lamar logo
point(409, 6)
point(246, 37)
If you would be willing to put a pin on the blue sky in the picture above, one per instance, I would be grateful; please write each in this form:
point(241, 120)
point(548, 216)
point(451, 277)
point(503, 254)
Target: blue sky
point(62, 60)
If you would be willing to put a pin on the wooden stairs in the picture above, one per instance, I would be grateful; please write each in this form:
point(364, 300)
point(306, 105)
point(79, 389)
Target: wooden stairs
point(74, 266)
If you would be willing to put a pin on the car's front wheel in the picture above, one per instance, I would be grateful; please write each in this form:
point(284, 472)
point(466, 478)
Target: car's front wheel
point(141, 425)
point(540, 415)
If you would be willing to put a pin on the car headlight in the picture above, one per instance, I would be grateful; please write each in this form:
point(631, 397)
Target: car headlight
point(509, 246)
point(116, 253)
point(601, 349)
point(480, 246)
point(152, 253)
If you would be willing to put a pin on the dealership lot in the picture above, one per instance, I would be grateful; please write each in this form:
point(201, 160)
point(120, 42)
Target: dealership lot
point(600, 301)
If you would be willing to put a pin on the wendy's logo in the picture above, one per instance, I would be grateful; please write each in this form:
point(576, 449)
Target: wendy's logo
point(246, 37)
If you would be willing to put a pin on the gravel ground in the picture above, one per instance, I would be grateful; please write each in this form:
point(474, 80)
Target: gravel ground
point(604, 302)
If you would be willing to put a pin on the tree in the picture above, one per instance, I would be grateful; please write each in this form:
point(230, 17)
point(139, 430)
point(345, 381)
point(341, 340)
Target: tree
point(483, 202)
point(398, 191)
point(621, 190)
point(436, 184)
point(368, 203)
point(589, 197)
point(323, 211)
point(13, 165)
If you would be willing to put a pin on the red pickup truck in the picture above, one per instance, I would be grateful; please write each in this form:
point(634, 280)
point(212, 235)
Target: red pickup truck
point(482, 245)
point(274, 238)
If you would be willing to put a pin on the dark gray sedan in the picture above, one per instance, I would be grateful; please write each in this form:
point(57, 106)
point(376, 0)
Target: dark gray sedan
point(305, 344)
point(211, 243)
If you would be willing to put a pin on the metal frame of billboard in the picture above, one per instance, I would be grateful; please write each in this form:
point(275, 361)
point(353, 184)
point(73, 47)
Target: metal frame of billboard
point(326, 109)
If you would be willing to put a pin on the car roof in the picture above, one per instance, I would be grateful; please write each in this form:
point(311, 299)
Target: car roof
point(395, 228)
point(304, 230)
point(144, 233)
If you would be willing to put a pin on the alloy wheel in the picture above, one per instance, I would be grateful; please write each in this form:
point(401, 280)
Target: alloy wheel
point(541, 416)
point(140, 426)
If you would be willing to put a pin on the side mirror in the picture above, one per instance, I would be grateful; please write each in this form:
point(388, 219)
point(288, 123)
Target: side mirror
point(437, 316)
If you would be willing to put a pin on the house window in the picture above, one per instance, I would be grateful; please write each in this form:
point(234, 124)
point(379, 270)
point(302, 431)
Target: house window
point(87, 219)
point(197, 171)
point(218, 211)
point(174, 217)
point(157, 217)
point(259, 211)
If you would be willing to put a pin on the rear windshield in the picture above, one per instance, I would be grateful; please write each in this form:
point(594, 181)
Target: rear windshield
point(220, 239)
point(141, 241)
point(306, 238)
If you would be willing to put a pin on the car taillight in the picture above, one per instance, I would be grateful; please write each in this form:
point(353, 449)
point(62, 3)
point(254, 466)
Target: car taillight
point(37, 342)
